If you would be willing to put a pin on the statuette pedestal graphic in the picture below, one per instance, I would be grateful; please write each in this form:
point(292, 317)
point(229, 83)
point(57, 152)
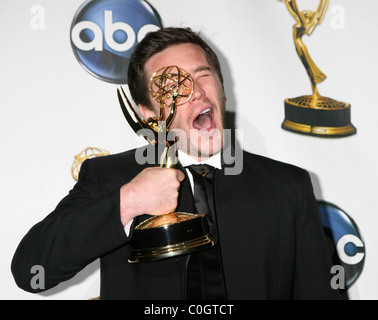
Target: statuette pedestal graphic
point(314, 114)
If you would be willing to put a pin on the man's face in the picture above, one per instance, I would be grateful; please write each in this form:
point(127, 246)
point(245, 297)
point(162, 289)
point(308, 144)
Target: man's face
point(199, 122)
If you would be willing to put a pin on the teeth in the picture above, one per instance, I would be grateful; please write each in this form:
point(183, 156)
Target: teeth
point(205, 111)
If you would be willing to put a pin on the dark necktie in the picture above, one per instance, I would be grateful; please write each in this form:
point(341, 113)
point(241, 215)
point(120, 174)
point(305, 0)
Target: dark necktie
point(205, 280)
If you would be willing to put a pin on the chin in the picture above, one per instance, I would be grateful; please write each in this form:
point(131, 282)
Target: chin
point(200, 143)
point(207, 150)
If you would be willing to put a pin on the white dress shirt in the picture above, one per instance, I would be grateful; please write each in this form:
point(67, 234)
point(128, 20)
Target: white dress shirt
point(186, 161)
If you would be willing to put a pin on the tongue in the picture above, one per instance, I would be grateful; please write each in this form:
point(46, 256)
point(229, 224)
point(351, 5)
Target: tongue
point(203, 122)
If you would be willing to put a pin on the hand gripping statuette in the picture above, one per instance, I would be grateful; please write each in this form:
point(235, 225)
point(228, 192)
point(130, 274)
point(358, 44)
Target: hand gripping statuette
point(176, 233)
point(314, 114)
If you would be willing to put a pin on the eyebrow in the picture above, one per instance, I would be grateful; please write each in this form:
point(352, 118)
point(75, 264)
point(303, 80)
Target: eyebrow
point(202, 68)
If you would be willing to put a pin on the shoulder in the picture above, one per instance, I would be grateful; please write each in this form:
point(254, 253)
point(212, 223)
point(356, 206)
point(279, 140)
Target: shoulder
point(251, 159)
point(278, 181)
point(124, 164)
point(272, 170)
point(113, 159)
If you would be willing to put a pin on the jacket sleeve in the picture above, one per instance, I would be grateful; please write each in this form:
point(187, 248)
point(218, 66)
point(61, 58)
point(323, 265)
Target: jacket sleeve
point(84, 226)
point(313, 258)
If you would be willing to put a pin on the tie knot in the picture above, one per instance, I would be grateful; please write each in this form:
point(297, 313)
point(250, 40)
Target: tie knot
point(202, 169)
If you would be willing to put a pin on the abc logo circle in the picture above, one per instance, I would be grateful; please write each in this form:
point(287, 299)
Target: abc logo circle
point(344, 240)
point(105, 32)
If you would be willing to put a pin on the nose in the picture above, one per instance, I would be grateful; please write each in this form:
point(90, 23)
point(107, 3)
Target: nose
point(198, 92)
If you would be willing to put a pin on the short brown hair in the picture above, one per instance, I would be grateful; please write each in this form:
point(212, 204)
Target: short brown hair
point(154, 43)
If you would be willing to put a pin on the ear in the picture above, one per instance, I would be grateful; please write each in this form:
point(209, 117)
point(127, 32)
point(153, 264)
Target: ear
point(146, 112)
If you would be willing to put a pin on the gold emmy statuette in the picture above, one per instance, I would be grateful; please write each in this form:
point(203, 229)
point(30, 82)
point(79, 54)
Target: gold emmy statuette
point(175, 233)
point(314, 114)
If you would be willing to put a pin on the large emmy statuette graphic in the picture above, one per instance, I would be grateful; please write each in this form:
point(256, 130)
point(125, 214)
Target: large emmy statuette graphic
point(175, 233)
point(314, 114)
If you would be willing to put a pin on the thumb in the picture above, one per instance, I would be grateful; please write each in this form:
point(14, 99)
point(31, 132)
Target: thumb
point(180, 175)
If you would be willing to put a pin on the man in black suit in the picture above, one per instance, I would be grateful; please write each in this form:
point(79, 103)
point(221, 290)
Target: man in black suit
point(270, 240)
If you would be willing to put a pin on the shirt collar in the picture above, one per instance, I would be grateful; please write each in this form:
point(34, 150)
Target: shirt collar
point(186, 160)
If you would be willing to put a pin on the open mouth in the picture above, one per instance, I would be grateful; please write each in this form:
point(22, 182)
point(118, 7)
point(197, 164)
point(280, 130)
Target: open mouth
point(204, 120)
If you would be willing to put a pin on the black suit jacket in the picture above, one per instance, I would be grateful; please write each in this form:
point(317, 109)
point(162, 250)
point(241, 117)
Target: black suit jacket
point(271, 237)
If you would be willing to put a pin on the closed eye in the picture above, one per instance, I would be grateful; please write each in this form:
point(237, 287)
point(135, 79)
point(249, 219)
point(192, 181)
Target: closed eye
point(204, 71)
point(205, 74)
